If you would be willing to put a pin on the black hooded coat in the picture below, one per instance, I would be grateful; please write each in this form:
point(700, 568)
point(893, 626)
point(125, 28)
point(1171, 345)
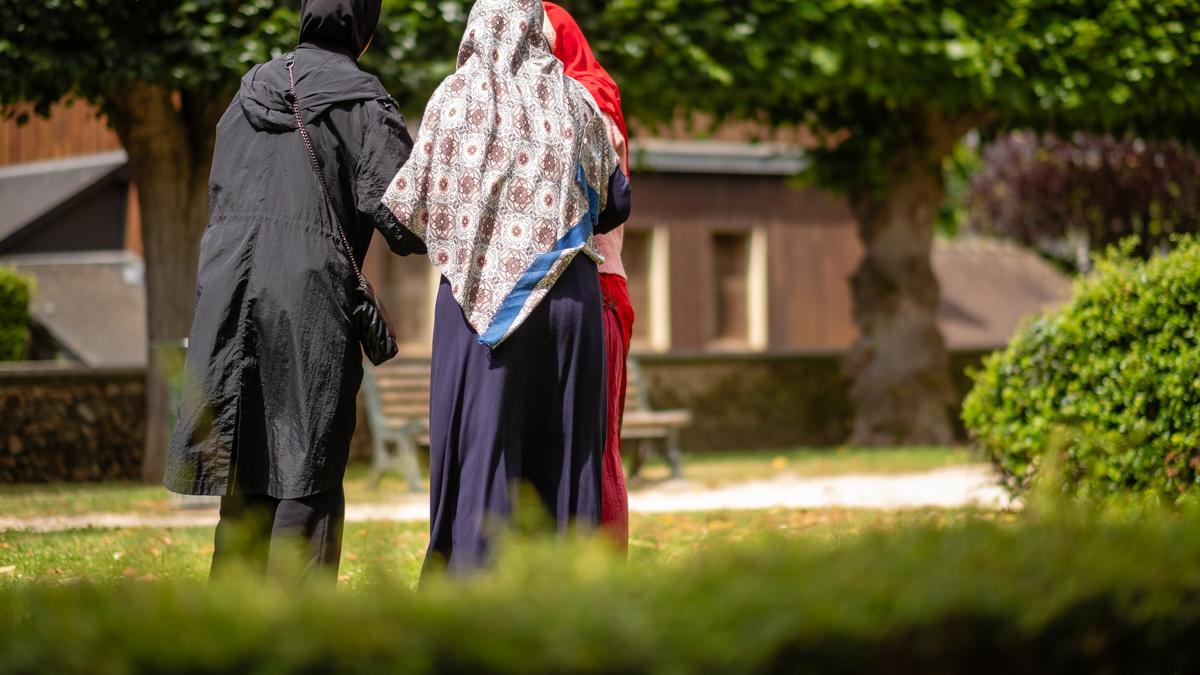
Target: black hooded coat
point(274, 363)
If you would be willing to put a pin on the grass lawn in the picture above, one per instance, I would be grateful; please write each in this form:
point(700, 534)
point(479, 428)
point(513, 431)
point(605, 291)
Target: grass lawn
point(395, 550)
point(28, 501)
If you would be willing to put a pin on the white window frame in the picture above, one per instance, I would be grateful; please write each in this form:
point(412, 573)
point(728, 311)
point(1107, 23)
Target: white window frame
point(757, 290)
point(659, 287)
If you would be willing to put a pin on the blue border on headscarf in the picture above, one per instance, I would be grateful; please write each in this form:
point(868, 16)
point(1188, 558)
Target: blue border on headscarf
point(575, 237)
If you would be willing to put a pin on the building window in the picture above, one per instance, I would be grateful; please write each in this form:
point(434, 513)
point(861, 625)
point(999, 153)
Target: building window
point(411, 306)
point(738, 319)
point(635, 255)
point(729, 324)
point(645, 257)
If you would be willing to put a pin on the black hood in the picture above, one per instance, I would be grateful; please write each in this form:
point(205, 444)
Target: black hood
point(323, 79)
point(342, 25)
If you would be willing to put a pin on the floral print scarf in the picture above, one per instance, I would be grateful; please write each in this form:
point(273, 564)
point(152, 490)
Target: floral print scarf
point(509, 171)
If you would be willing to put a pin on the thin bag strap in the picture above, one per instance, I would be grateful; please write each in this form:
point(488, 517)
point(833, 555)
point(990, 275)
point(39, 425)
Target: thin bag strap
point(316, 168)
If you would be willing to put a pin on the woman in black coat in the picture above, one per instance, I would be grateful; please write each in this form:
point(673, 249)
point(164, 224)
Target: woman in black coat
point(274, 363)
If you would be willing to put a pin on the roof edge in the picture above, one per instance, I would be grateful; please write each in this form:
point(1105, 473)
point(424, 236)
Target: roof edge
point(114, 257)
point(717, 157)
point(114, 157)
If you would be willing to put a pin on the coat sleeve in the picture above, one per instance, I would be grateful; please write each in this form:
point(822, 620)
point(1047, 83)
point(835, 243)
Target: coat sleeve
point(385, 149)
point(620, 203)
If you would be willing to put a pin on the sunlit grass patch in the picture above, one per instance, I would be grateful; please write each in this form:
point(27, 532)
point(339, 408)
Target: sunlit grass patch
point(724, 468)
point(394, 551)
point(705, 470)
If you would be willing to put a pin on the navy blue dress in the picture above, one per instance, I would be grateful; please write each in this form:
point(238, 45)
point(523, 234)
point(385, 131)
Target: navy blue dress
point(523, 421)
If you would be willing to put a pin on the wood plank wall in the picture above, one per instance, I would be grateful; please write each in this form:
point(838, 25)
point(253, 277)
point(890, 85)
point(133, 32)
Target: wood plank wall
point(812, 250)
point(70, 130)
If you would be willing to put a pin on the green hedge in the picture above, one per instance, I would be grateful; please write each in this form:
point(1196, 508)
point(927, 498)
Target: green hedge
point(1113, 380)
point(982, 598)
point(14, 314)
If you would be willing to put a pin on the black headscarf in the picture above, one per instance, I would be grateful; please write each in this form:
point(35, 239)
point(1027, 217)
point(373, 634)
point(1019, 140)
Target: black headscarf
point(343, 25)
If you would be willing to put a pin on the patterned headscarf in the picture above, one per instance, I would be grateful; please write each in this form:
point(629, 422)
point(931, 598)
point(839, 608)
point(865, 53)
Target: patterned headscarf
point(510, 170)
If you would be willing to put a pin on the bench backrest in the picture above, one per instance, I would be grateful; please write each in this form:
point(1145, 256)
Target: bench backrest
point(397, 393)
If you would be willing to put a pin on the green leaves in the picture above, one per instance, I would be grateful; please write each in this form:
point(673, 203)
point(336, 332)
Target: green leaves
point(871, 67)
point(15, 290)
point(84, 47)
point(1116, 370)
point(837, 65)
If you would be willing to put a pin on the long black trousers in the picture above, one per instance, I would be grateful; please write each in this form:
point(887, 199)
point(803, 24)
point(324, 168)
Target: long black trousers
point(292, 540)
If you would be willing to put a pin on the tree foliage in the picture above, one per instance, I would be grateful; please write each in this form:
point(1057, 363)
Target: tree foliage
point(890, 86)
point(87, 48)
point(886, 70)
point(93, 48)
point(1070, 197)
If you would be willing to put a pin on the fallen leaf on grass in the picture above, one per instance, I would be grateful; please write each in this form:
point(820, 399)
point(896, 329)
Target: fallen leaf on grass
point(129, 572)
point(351, 557)
point(8, 569)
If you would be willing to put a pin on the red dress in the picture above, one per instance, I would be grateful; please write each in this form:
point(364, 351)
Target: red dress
point(572, 48)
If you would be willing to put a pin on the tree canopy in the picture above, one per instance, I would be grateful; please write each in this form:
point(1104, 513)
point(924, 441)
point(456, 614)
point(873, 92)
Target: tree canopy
point(1072, 197)
point(888, 85)
point(92, 48)
point(891, 86)
point(883, 69)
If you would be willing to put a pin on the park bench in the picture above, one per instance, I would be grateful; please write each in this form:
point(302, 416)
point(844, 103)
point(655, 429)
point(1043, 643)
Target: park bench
point(397, 397)
point(650, 429)
point(398, 414)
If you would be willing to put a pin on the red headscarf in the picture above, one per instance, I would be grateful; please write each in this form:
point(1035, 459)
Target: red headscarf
point(572, 48)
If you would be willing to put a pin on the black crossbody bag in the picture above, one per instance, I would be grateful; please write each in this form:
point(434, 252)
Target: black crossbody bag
point(375, 331)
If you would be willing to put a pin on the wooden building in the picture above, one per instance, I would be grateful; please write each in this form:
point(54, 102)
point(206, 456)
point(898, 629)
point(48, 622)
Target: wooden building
point(727, 255)
point(739, 277)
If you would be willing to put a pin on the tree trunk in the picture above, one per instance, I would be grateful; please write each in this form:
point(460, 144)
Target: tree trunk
point(169, 138)
point(901, 386)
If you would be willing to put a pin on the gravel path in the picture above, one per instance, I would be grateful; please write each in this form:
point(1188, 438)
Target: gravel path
point(946, 488)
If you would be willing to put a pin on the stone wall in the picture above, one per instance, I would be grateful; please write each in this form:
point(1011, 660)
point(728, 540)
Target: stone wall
point(64, 422)
point(762, 401)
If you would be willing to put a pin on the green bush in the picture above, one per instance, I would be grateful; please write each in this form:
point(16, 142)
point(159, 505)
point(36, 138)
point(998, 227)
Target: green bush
point(14, 314)
point(1111, 382)
point(982, 598)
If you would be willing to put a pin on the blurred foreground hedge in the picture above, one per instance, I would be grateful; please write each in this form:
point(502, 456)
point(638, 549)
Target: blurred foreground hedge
point(14, 314)
point(982, 598)
point(1112, 381)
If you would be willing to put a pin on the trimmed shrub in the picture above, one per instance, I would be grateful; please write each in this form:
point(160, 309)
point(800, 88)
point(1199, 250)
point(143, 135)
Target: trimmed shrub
point(14, 314)
point(984, 598)
point(1112, 380)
